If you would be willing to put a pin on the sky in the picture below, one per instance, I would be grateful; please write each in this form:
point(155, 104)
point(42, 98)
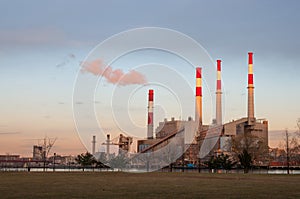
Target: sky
point(44, 43)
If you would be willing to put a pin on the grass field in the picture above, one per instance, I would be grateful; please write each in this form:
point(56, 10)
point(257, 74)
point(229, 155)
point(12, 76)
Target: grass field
point(146, 185)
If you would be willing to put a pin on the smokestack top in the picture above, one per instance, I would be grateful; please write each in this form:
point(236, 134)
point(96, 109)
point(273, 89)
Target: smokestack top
point(219, 65)
point(198, 72)
point(150, 114)
point(250, 57)
point(199, 81)
point(250, 69)
point(151, 92)
point(218, 75)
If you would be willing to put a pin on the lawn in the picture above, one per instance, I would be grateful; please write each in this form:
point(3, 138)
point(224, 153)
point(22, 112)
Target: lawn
point(146, 185)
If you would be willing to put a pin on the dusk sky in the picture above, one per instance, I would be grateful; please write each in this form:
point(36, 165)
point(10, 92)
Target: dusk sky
point(42, 44)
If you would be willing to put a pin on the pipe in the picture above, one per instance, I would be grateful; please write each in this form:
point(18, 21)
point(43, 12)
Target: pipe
point(150, 115)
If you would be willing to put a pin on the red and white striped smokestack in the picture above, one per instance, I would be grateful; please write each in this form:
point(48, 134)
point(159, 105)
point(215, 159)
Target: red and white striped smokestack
point(251, 118)
point(198, 114)
point(219, 95)
point(150, 114)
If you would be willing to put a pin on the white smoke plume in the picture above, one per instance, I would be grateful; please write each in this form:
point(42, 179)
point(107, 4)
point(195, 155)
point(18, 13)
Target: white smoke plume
point(117, 76)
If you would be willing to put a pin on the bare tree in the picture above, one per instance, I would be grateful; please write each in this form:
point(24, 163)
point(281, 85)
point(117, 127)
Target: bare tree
point(119, 162)
point(292, 148)
point(246, 160)
point(298, 124)
point(46, 147)
point(254, 145)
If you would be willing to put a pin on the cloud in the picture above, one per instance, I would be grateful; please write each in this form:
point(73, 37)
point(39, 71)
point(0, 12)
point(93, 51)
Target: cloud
point(117, 76)
point(32, 36)
point(9, 133)
point(49, 36)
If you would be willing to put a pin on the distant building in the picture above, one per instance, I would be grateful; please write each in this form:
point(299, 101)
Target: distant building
point(259, 128)
point(166, 131)
point(166, 127)
point(144, 144)
point(37, 152)
point(7, 161)
point(125, 142)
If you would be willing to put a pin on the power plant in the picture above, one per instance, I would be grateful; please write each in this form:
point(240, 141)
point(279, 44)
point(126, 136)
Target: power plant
point(176, 141)
point(209, 139)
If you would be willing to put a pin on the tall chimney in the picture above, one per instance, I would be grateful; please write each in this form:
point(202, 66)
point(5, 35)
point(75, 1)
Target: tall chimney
point(107, 145)
point(219, 95)
point(198, 114)
point(251, 118)
point(93, 144)
point(150, 115)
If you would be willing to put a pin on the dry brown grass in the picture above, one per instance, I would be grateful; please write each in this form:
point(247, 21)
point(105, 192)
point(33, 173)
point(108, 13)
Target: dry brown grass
point(146, 185)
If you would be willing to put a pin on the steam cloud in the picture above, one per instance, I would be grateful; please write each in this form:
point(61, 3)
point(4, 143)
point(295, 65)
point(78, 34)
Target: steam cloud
point(97, 67)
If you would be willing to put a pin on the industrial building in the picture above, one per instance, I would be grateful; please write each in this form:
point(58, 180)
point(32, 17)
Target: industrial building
point(197, 139)
point(215, 136)
point(38, 153)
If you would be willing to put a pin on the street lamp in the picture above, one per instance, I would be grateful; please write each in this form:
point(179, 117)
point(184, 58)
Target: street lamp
point(28, 166)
